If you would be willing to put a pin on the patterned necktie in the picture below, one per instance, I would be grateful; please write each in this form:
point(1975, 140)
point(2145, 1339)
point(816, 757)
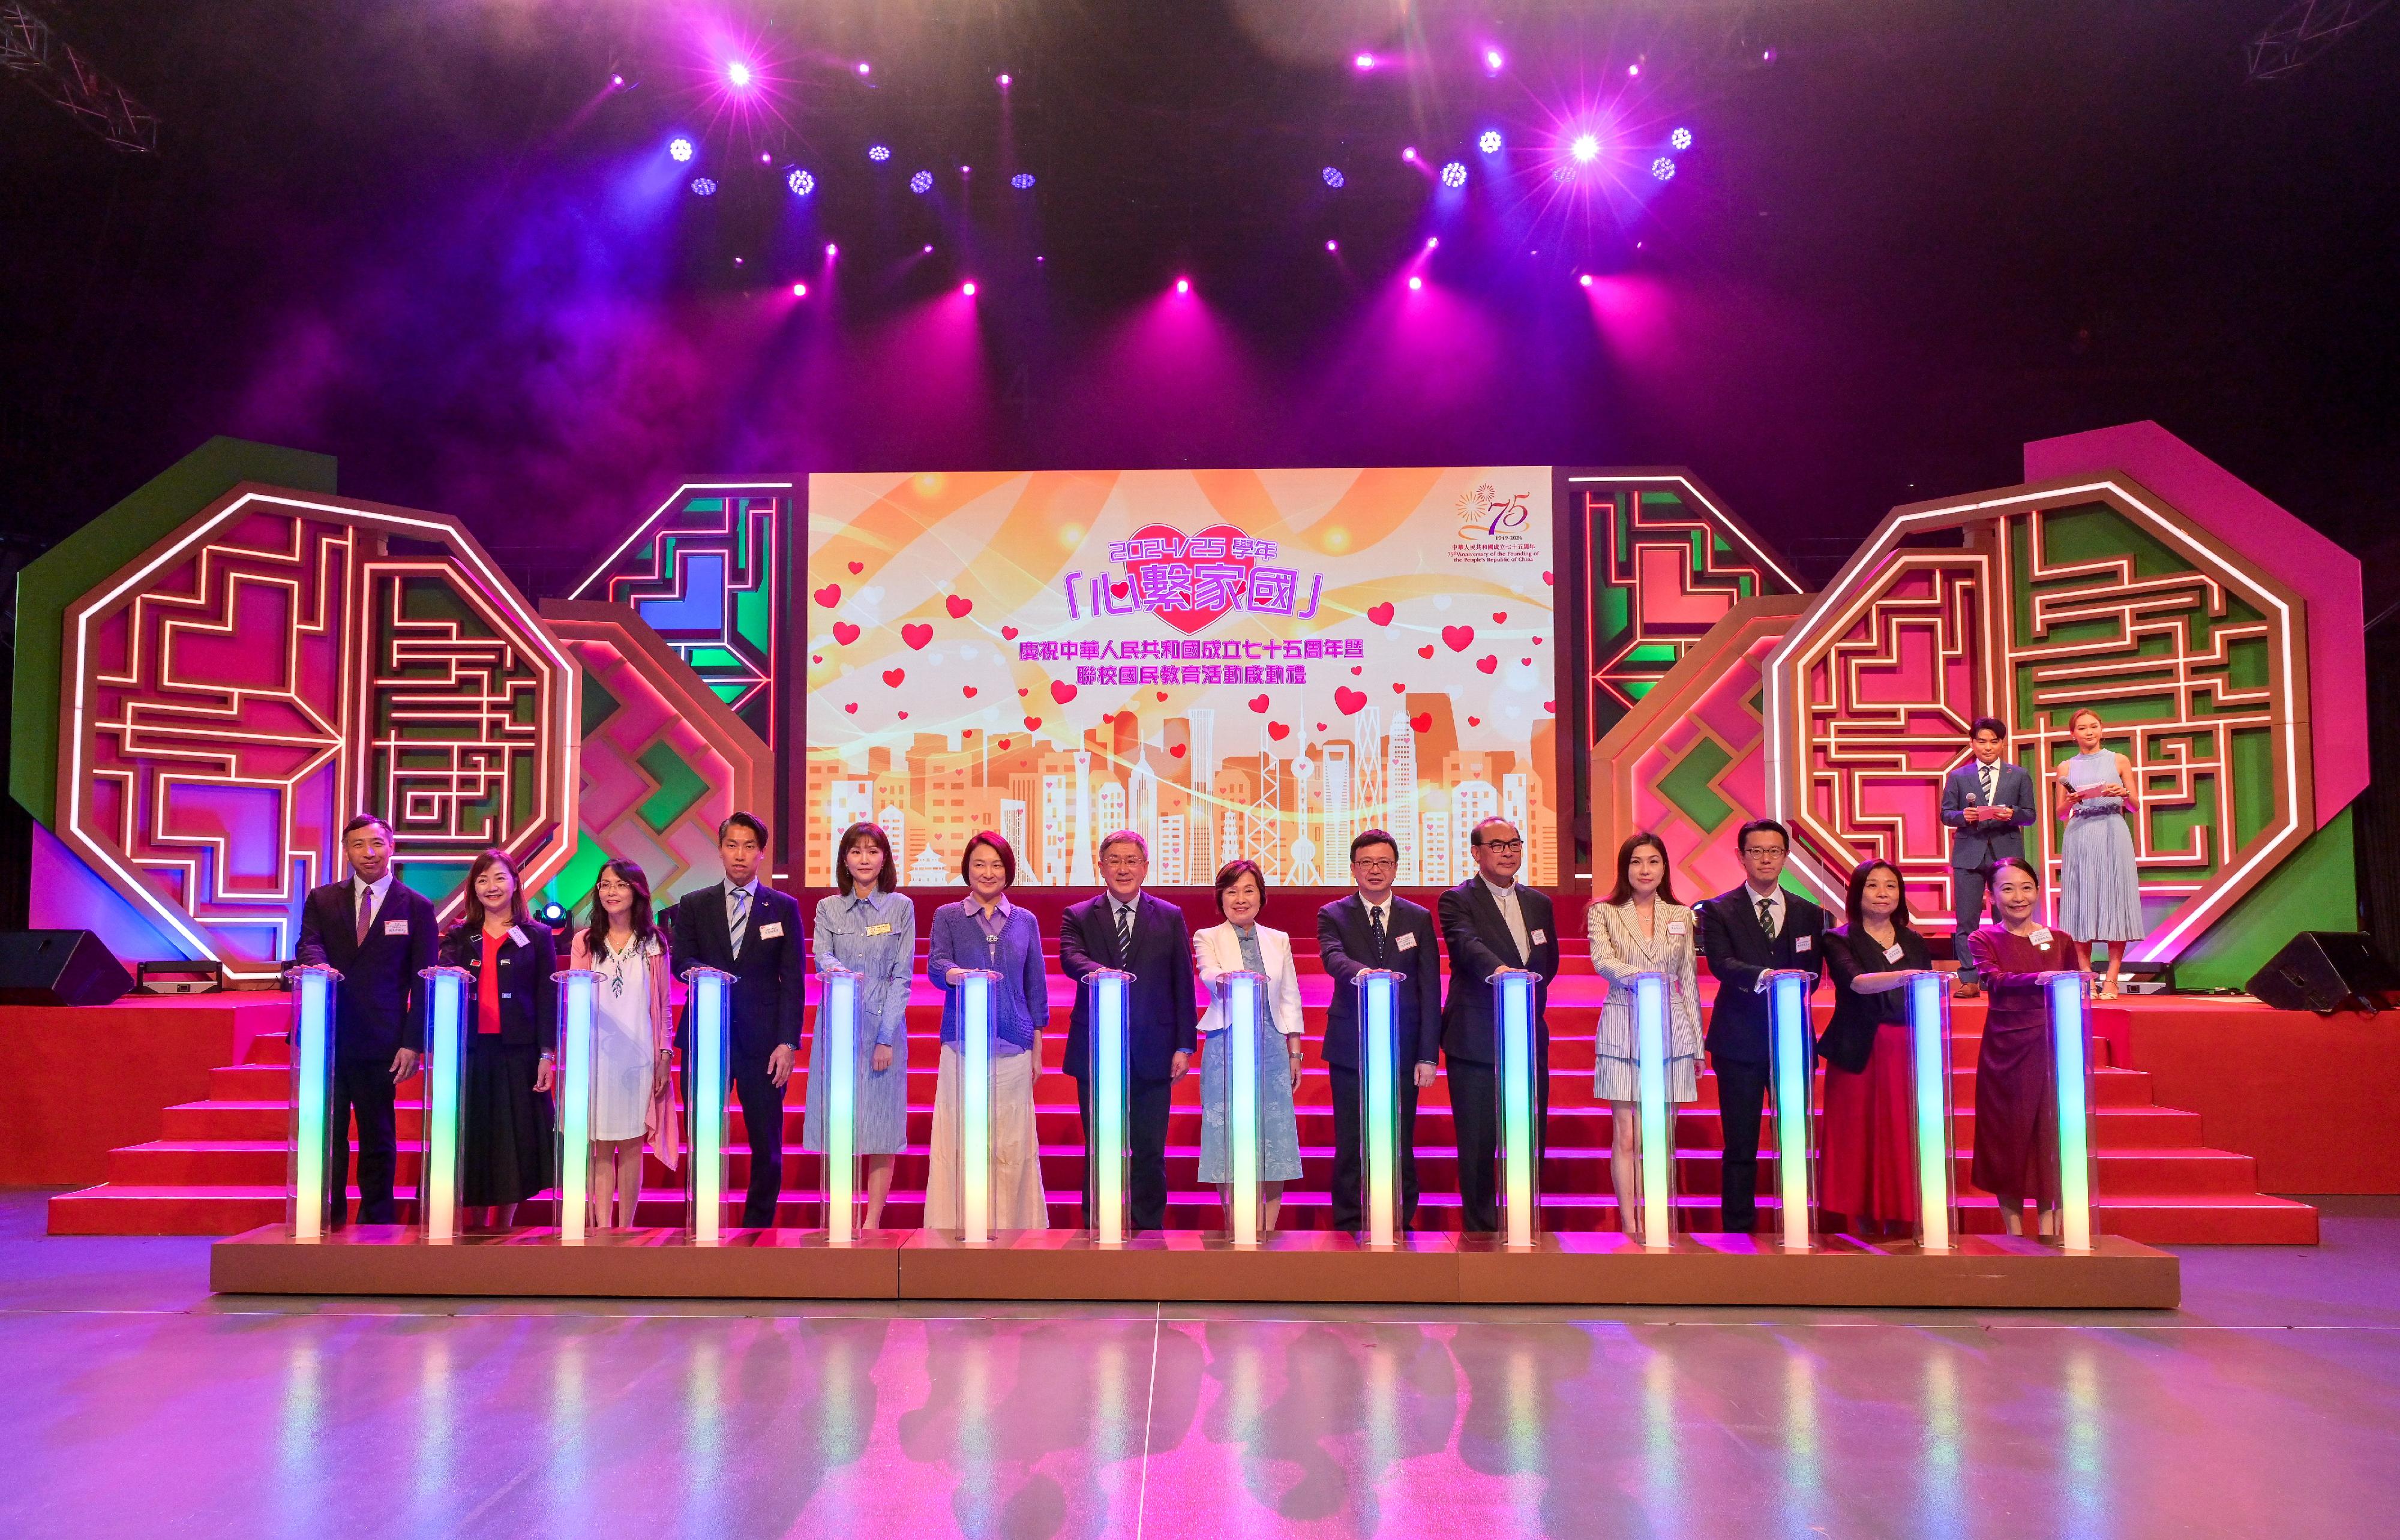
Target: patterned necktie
point(1766, 918)
point(740, 921)
point(1124, 936)
point(1375, 924)
point(1988, 775)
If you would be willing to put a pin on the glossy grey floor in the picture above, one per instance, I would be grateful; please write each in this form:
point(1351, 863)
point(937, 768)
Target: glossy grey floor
point(136, 1403)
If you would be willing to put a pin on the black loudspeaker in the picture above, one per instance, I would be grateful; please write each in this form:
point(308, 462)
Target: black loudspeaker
point(2321, 970)
point(58, 968)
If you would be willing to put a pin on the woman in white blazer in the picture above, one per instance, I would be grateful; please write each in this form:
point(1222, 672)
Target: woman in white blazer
point(1639, 928)
point(1242, 944)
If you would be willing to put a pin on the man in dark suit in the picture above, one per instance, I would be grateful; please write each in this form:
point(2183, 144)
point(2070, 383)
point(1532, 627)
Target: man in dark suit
point(1376, 928)
point(747, 929)
point(1743, 933)
point(378, 934)
point(1127, 929)
point(1988, 804)
point(1490, 923)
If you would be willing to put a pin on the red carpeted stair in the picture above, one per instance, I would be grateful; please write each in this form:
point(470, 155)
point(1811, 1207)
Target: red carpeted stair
point(219, 1165)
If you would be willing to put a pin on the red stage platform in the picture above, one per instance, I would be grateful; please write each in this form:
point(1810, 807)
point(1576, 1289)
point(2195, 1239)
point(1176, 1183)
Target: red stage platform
point(214, 1162)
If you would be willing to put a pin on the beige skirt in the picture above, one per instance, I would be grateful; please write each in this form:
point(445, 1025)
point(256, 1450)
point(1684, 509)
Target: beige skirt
point(1018, 1202)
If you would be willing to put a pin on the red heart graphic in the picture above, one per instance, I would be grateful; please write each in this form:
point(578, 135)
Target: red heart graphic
point(1031, 723)
point(857, 567)
point(829, 595)
point(1119, 589)
point(1356, 669)
point(1004, 742)
point(1320, 726)
point(844, 633)
point(1425, 651)
point(1399, 689)
point(1545, 577)
point(904, 717)
point(958, 607)
point(1537, 641)
point(1474, 721)
point(893, 676)
point(1162, 694)
point(1259, 704)
point(966, 732)
point(1348, 701)
point(1527, 662)
point(1422, 721)
point(1181, 576)
point(1175, 749)
point(1277, 731)
point(1552, 707)
point(1499, 617)
point(967, 690)
point(1008, 634)
point(1458, 639)
point(852, 708)
point(1487, 663)
point(917, 635)
point(1020, 695)
point(1381, 614)
point(816, 657)
point(1108, 717)
point(1061, 691)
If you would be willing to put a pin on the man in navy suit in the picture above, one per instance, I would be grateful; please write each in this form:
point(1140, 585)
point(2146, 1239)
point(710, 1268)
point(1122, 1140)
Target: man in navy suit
point(1989, 804)
point(1490, 925)
point(745, 928)
point(1376, 928)
point(1127, 929)
point(378, 934)
point(1743, 933)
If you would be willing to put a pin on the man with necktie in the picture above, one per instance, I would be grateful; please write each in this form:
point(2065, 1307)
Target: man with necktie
point(1375, 928)
point(378, 934)
point(1127, 929)
point(1744, 934)
point(1988, 804)
point(1491, 923)
point(743, 927)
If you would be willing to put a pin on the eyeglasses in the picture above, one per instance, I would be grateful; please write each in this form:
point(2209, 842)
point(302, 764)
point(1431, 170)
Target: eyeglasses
point(1374, 863)
point(1762, 850)
point(1504, 845)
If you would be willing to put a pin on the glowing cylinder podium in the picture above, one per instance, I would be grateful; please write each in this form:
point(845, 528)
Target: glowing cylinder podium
point(958, 1193)
point(1929, 1065)
point(1381, 1062)
point(834, 1078)
point(1520, 1132)
point(1657, 1148)
point(318, 1176)
point(1108, 1185)
point(445, 1084)
point(1241, 996)
point(1790, 1055)
point(708, 1059)
point(576, 1077)
point(2070, 1032)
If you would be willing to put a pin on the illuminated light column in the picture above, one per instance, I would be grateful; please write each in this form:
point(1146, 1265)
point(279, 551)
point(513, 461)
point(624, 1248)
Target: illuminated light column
point(1379, 1112)
point(1789, 990)
point(1512, 990)
point(1108, 1083)
point(312, 1059)
point(1243, 991)
point(837, 1019)
point(2068, 1021)
point(1928, 1042)
point(446, 1063)
point(574, 1006)
point(708, 1027)
point(975, 1107)
point(1650, 1058)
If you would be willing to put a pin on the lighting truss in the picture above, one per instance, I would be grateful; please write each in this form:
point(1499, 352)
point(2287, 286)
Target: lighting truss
point(35, 53)
point(2304, 31)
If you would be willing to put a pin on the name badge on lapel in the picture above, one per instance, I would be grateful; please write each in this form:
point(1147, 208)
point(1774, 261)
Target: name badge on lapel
point(1406, 941)
point(769, 930)
point(871, 930)
point(1804, 942)
point(1674, 927)
point(516, 935)
point(1891, 954)
point(1540, 939)
point(2042, 938)
point(395, 927)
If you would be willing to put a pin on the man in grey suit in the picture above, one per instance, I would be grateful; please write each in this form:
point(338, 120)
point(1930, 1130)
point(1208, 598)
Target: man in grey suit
point(1987, 805)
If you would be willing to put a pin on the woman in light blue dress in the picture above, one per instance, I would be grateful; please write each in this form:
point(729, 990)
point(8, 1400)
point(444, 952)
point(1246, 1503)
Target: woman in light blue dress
point(1242, 944)
point(2099, 885)
point(871, 930)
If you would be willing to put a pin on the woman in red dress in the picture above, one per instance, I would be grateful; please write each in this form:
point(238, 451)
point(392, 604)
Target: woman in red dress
point(1867, 1175)
point(2016, 1091)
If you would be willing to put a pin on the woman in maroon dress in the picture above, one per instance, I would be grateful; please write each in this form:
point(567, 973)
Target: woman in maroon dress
point(1867, 1175)
point(2016, 1092)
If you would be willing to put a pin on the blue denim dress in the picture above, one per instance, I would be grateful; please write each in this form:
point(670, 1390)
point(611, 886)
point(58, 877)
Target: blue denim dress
point(1278, 1126)
point(875, 934)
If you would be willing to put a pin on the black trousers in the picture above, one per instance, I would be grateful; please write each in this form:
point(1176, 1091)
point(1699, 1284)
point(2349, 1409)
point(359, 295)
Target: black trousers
point(1145, 1142)
point(1475, 1113)
point(762, 1118)
point(1967, 890)
point(362, 1086)
point(1349, 1158)
point(1741, 1100)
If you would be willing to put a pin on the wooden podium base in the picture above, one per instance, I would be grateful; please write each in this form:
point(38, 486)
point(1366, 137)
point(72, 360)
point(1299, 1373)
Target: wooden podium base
point(1291, 1267)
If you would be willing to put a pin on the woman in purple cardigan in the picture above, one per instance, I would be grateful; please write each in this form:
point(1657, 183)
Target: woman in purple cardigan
point(984, 930)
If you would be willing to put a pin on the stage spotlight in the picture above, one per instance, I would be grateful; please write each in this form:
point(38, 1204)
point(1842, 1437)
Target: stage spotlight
point(616, 82)
point(679, 148)
point(832, 251)
point(1432, 242)
point(1410, 154)
point(1021, 181)
point(1632, 72)
point(879, 153)
point(553, 914)
point(704, 186)
point(1416, 283)
point(800, 182)
point(1332, 176)
point(799, 290)
point(922, 182)
point(764, 158)
point(1494, 61)
point(866, 68)
point(1004, 82)
point(739, 73)
point(1584, 279)
point(928, 248)
point(1333, 246)
point(1663, 168)
point(1454, 175)
point(1364, 62)
point(1183, 286)
point(1680, 140)
point(966, 170)
point(967, 288)
point(1585, 148)
point(1490, 142)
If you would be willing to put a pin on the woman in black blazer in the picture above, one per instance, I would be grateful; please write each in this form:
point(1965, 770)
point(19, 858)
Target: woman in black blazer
point(509, 1153)
point(1867, 1172)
